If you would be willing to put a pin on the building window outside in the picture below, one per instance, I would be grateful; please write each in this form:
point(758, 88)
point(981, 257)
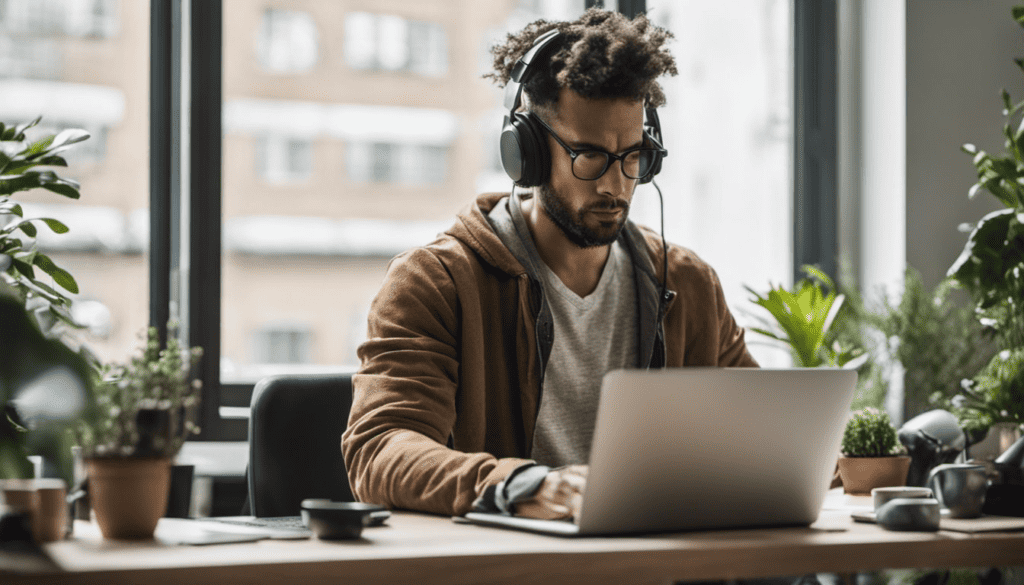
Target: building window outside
point(78, 18)
point(287, 41)
point(284, 160)
point(407, 164)
point(385, 42)
point(283, 344)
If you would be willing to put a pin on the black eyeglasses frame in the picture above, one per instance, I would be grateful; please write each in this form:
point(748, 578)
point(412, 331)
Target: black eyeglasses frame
point(659, 150)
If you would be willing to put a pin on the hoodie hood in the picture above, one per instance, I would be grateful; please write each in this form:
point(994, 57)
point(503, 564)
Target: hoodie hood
point(473, 229)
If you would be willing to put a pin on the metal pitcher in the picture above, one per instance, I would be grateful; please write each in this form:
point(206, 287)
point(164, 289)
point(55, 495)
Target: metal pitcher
point(960, 487)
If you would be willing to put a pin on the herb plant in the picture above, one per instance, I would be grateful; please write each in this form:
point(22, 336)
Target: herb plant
point(148, 406)
point(869, 433)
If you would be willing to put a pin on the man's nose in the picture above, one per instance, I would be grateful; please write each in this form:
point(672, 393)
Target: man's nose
point(614, 182)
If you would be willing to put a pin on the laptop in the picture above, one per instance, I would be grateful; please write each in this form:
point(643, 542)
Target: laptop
point(707, 448)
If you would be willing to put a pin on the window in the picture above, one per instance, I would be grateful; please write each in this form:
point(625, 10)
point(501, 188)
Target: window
point(282, 344)
point(287, 41)
point(401, 154)
point(408, 164)
point(732, 95)
point(386, 42)
point(284, 160)
point(61, 59)
point(79, 18)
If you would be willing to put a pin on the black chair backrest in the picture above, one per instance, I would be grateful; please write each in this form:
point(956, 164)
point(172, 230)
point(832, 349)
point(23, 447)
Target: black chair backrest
point(295, 428)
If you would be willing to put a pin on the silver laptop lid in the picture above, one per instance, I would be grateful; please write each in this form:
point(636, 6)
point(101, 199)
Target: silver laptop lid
point(700, 448)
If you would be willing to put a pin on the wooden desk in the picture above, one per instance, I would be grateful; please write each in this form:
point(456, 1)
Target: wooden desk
point(425, 550)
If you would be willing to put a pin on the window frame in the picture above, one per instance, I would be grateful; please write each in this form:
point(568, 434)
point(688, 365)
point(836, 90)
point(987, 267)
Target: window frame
point(185, 174)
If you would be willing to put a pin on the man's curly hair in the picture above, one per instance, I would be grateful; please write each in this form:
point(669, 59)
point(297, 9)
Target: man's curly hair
point(603, 54)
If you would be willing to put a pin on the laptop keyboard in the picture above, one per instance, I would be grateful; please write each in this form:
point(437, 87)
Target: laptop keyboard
point(278, 523)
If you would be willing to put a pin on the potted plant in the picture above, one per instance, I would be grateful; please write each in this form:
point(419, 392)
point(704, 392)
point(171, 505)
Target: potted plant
point(147, 409)
point(872, 455)
point(806, 317)
point(991, 270)
point(32, 310)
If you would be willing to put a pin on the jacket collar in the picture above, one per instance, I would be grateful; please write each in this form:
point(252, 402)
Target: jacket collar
point(487, 234)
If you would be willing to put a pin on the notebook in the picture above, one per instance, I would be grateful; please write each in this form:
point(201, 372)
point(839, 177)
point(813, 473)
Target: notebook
point(707, 448)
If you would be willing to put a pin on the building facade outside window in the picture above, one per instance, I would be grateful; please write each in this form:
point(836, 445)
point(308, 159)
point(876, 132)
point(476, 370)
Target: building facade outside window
point(388, 42)
point(287, 41)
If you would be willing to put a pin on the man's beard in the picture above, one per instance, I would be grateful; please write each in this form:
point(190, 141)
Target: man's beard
point(573, 227)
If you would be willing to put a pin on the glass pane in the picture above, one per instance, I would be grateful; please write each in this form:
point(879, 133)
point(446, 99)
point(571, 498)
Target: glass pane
point(403, 132)
point(349, 136)
point(85, 64)
point(728, 127)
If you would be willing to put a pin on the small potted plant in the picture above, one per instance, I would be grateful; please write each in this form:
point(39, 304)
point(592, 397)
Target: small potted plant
point(872, 455)
point(147, 410)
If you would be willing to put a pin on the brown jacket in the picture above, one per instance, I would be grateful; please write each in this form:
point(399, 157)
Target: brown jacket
point(446, 397)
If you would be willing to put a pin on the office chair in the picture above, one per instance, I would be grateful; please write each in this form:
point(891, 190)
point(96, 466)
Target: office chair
point(295, 427)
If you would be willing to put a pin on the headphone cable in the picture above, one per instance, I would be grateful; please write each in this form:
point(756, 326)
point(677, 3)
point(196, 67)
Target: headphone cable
point(664, 250)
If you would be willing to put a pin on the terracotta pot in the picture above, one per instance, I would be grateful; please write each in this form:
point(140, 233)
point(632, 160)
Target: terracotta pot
point(128, 495)
point(861, 474)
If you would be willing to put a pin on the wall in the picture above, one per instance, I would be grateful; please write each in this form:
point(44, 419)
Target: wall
point(959, 55)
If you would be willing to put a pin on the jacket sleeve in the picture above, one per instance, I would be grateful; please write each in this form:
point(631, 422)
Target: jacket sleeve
point(403, 407)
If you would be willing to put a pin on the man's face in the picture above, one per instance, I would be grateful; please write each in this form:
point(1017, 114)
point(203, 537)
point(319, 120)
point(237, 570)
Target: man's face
point(590, 213)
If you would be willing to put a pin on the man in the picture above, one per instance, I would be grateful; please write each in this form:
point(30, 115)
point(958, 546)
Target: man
point(486, 348)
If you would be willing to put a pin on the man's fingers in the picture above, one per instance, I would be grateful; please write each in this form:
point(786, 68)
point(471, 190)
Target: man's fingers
point(544, 510)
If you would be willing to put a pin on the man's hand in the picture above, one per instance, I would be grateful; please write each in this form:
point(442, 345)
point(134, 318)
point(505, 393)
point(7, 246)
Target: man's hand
point(559, 497)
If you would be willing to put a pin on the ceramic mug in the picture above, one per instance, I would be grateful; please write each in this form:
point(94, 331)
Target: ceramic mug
point(881, 495)
point(960, 487)
point(44, 500)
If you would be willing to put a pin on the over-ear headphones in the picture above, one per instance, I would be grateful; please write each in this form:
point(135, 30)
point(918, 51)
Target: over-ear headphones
point(524, 146)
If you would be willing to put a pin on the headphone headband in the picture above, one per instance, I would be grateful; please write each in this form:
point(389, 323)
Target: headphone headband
point(521, 71)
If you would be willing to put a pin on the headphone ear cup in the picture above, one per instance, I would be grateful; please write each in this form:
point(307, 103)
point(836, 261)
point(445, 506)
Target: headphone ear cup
point(653, 127)
point(531, 152)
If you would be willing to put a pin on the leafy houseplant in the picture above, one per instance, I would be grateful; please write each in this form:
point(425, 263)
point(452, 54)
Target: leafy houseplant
point(19, 258)
point(991, 270)
point(30, 309)
point(936, 341)
point(147, 410)
point(872, 454)
point(806, 316)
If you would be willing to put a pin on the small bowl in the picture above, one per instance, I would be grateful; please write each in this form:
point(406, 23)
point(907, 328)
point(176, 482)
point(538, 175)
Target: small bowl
point(881, 495)
point(337, 520)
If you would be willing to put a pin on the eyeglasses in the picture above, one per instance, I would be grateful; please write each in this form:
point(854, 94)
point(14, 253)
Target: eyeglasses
point(591, 164)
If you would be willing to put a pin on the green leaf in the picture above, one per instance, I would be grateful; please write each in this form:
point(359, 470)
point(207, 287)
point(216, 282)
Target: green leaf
point(12, 209)
point(24, 268)
point(52, 161)
point(24, 225)
point(66, 138)
point(15, 183)
point(38, 147)
point(56, 226)
point(1006, 101)
point(20, 129)
point(65, 188)
point(59, 275)
point(1018, 14)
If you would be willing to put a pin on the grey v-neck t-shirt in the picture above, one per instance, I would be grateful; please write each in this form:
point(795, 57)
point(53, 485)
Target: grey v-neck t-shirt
point(592, 336)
